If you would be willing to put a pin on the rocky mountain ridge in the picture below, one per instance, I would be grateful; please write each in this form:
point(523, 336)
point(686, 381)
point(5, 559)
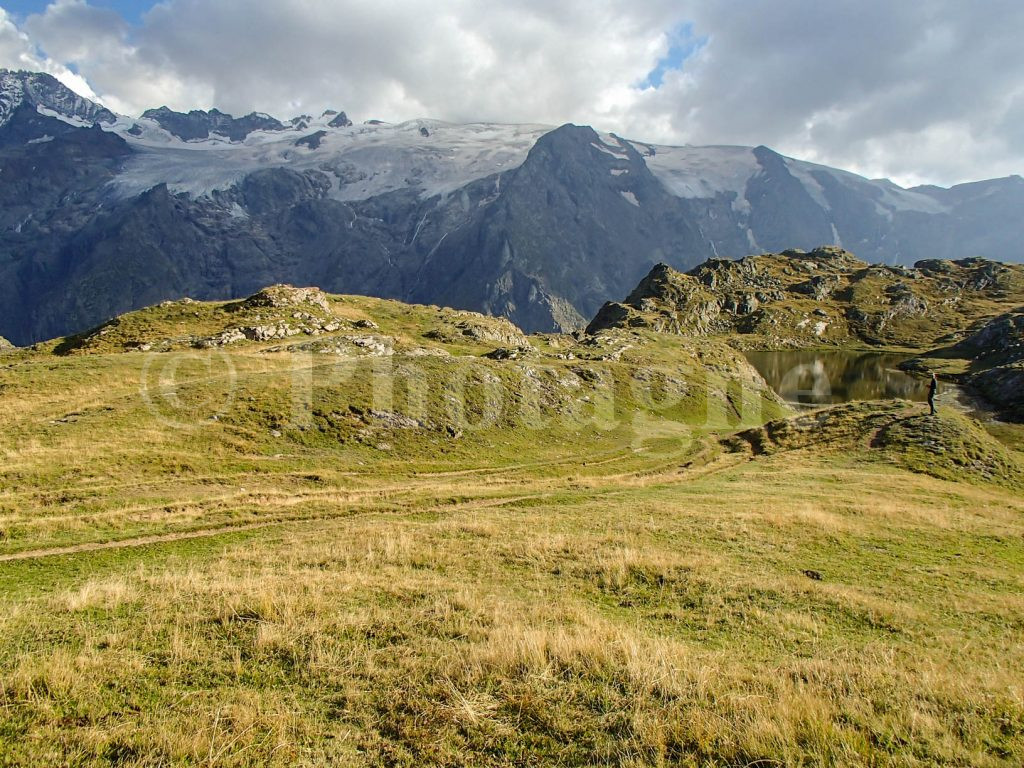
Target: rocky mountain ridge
point(823, 297)
point(103, 214)
point(46, 94)
point(201, 125)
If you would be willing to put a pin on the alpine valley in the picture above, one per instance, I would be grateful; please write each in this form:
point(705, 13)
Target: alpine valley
point(102, 214)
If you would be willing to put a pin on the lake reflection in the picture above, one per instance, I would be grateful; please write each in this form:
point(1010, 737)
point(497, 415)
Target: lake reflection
point(837, 376)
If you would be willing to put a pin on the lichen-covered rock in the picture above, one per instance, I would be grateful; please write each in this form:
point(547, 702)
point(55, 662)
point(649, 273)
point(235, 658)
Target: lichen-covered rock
point(270, 332)
point(819, 287)
point(284, 296)
point(223, 339)
point(459, 327)
point(343, 346)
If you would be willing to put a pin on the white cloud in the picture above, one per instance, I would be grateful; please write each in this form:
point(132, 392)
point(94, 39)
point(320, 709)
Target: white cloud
point(17, 51)
point(931, 90)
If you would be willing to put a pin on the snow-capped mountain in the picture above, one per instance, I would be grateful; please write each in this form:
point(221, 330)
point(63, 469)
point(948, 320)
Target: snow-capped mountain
point(100, 213)
point(46, 94)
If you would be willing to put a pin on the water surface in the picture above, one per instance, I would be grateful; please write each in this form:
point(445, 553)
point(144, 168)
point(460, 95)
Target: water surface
point(824, 377)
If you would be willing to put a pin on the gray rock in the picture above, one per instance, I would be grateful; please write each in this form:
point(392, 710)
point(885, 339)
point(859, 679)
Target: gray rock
point(312, 141)
point(340, 121)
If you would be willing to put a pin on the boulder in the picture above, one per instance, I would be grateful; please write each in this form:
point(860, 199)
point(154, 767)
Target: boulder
point(282, 296)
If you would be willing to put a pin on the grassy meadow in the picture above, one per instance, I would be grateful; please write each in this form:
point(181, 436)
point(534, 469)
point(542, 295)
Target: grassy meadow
point(250, 556)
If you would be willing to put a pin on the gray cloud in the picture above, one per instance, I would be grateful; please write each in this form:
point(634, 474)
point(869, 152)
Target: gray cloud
point(926, 91)
point(912, 90)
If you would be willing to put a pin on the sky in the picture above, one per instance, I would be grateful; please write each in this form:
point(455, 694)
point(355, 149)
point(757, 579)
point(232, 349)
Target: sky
point(929, 91)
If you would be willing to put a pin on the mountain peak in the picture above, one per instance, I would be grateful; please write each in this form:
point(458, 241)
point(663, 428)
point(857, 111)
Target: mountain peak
point(198, 125)
point(47, 94)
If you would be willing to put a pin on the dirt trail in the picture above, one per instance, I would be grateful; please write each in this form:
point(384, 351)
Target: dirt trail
point(140, 541)
point(165, 538)
point(701, 464)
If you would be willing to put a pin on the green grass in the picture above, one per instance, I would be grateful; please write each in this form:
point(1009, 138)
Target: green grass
point(635, 623)
point(573, 571)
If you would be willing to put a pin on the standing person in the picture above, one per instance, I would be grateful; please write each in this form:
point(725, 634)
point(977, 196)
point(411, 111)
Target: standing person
point(933, 387)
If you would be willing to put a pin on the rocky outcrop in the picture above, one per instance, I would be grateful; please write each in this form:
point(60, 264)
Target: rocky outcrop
point(340, 120)
point(666, 301)
point(312, 141)
point(1001, 339)
point(825, 296)
point(995, 370)
point(284, 297)
point(952, 447)
point(5, 345)
point(462, 327)
point(344, 345)
point(1003, 387)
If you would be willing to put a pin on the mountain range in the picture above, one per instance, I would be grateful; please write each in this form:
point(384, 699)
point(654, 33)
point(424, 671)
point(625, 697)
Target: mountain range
point(101, 214)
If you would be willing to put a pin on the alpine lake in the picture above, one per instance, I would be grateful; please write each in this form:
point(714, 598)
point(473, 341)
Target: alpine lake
point(827, 377)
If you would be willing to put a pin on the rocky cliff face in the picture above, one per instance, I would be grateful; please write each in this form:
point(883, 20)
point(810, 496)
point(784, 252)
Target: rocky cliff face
point(825, 296)
point(45, 93)
point(580, 218)
point(103, 214)
point(198, 124)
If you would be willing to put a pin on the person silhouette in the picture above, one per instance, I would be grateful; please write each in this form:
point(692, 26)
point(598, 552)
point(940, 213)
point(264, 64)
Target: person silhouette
point(933, 388)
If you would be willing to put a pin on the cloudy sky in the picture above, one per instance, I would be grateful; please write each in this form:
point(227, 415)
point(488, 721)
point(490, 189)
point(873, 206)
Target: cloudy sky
point(917, 91)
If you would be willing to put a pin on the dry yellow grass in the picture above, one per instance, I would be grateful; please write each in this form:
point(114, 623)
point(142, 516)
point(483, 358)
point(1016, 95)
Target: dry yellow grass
point(647, 626)
point(565, 596)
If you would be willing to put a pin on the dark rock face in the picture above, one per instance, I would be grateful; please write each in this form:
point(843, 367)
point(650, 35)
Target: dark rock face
point(782, 211)
point(312, 141)
point(197, 124)
point(577, 221)
point(340, 121)
point(49, 195)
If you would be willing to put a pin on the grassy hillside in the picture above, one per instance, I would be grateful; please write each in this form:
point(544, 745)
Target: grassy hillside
point(317, 530)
